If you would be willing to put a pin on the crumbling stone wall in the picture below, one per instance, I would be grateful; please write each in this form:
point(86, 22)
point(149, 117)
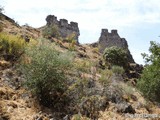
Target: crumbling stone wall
point(113, 39)
point(65, 29)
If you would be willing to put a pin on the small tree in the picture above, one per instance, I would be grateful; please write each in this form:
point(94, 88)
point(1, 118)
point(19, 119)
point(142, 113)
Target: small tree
point(45, 70)
point(116, 56)
point(51, 31)
point(11, 46)
point(149, 83)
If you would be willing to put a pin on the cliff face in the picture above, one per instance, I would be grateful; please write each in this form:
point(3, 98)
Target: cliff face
point(65, 29)
point(113, 39)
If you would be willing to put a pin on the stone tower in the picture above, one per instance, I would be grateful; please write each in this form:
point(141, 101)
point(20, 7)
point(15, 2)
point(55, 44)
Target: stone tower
point(65, 29)
point(113, 39)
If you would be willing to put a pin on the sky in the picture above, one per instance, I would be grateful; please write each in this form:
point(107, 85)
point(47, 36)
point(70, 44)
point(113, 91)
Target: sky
point(136, 20)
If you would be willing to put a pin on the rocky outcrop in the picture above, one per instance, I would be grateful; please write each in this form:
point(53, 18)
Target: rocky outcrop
point(113, 39)
point(3, 16)
point(65, 29)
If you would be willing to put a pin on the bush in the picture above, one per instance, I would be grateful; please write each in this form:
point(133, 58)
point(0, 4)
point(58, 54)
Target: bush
point(116, 56)
point(149, 83)
point(95, 50)
point(91, 105)
point(71, 39)
point(51, 31)
point(83, 65)
point(105, 76)
point(46, 72)
point(72, 46)
point(117, 70)
point(79, 117)
point(11, 46)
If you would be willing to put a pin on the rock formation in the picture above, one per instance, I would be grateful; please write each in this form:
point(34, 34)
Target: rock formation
point(3, 16)
point(113, 39)
point(65, 29)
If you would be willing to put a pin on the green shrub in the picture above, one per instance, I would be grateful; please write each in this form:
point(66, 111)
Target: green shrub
point(127, 89)
point(76, 117)
point(105, 76)
point(72, 45)
point(91, 105)
point(117, 70)
point(149, 83)
point(46, 72)
point(83, 65)
point(71, 39)
point(11, 45)
point(51, 31)
point(115, 56)
point(95, 50)
point(79, 117)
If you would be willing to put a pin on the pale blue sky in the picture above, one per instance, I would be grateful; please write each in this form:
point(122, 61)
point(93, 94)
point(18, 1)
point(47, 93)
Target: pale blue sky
point(136, 20)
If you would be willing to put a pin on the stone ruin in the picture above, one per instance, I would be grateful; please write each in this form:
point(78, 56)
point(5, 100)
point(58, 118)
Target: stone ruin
point(64, 28)
point(113, 39)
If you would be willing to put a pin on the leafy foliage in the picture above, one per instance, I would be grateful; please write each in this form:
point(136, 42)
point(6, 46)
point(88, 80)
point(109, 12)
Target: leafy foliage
point(105, 76)
point(83, 65)
point(51, 31)
point(11, 45)
point(149, 83)
point(95, 50)
point(45, 71)
point(117, 70)
point(71, 39)
point(115, 56)
point(155, 53)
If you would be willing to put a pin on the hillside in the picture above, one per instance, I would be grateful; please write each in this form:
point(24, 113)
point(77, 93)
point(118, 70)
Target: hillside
point(90, 90)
